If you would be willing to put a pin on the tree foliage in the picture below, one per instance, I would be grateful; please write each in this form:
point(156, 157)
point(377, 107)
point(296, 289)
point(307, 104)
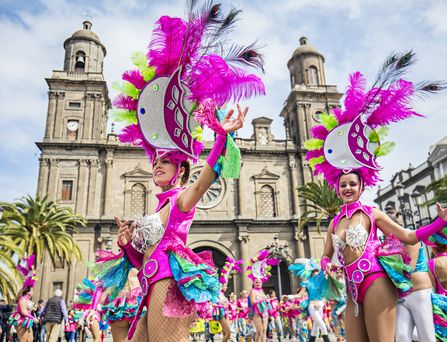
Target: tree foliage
point(322, 203)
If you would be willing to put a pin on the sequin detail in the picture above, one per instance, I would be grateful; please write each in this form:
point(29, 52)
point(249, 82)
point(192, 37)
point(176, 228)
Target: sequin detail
point(148, 232)
point(175, 305)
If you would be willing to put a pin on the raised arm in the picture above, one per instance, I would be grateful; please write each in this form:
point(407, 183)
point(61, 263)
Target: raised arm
point(388, 226)
point(189, 197)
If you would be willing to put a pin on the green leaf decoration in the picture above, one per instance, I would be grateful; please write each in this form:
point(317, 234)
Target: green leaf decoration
point(329, 121)
point(139, 59)
point(123, 115)
point(127, 89)
point(313, 144)
point(315, 161)
point(384, 148)
point(197, 133)
point(378, 134)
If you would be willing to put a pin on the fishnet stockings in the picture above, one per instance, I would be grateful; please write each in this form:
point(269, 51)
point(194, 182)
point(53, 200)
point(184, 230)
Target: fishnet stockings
point(154, 327)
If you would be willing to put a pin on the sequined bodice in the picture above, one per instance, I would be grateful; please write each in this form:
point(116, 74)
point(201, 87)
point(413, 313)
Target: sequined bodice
point(148, 232)
point(356, 237)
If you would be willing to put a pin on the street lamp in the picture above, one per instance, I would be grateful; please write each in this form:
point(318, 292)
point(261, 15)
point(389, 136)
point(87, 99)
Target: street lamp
point(417, 198)
point(399, 189)
point(280, 252)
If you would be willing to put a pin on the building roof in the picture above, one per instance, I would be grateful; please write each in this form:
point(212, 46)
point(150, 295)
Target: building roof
point(85, 33)
point(305, 49)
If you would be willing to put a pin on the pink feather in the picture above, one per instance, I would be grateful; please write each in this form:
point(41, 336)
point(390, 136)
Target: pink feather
point(214, 79)
point(131, 134)
point(394, 105)
point(125, 102)
point(354, 99)
point(166, 45)
point(319, 132)
point(134, 77)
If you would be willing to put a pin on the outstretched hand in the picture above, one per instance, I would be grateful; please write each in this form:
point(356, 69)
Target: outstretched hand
point(442, 212)
point(230, 125)
point(124, 231)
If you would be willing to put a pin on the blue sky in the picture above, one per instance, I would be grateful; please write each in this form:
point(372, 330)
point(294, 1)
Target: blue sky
point(352, 35)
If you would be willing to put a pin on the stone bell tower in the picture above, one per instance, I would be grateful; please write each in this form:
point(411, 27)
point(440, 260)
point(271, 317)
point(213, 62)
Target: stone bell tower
point(78, 97)
point(309, 97)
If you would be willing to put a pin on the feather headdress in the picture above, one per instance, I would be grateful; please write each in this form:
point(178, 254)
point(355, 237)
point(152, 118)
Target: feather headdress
point(189, 72)
point(230, 268)
point(26, 267)
point(259, 266)
point(351, 139)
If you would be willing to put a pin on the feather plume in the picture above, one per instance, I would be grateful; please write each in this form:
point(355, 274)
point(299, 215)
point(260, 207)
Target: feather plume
point(394, 67)
point(124, 116)
point(131, 134)
point(166, 45)
point(139, 59)
point(127, 89)
point(329, 121)
point(313, 144)
point(214, 79)
point(246, 56)
point(125, 102)
point(354, 99)
point(394, 105)
point(134, 77)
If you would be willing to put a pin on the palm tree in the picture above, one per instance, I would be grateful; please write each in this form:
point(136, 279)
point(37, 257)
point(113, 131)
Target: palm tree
point(322, 203)
point(39, 225)
point(9, 276)
point(439, 189)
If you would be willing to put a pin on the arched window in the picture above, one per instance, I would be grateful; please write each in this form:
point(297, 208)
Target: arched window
point(267, 201)
point(137, 201)
point(313, 75)
point(317, 115)
point(80, 61)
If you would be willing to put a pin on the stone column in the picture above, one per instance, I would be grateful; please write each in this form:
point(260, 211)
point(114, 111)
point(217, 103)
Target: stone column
point(92, 208)
point(42, 182)
point(243, 238)
point(53, 178)
point(88, 116)
point(295, 204)
point(51, 113)
point(58, 122)
point(240, 194)
point(82, 188)
point(108, 193)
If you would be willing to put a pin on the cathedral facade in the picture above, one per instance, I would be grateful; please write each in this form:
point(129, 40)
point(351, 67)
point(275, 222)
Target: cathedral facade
point(85, 168)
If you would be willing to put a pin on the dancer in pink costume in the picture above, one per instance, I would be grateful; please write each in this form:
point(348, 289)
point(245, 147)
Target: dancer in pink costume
point(438, 275)
point(22, 319)
point(274, 313)
point(243, 310)
point(179, 86)
point(345, 149)
point(258, 270)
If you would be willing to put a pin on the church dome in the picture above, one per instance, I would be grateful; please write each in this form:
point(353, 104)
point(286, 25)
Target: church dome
point(305, 49)
point(85, 33)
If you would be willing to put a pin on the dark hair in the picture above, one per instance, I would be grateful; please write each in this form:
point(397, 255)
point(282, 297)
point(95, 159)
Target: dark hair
point(439, 248)
point(23, 291)
point(40, 301)
point(185, 176)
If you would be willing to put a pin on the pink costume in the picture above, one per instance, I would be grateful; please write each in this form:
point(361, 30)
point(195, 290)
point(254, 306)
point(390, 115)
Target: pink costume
point(242, 305)
point(274, 305)
point(232, 311)
point(261, 306)
point(359, 274)
point(160, 263)
point(23, 320)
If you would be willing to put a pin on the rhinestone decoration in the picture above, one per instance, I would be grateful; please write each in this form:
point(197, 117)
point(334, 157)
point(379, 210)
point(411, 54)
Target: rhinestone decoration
point(364, 265)
point(156, 87)
point(154, 136)
point(357, 276)
point(142, 111)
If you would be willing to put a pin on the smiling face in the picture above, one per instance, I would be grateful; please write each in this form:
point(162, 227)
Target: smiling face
point(257, 283)
point(163, 171)
point(349, 188)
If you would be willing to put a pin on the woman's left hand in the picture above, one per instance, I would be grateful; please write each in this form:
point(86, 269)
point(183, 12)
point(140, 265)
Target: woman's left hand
point(442, 212)
point(230, 125)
